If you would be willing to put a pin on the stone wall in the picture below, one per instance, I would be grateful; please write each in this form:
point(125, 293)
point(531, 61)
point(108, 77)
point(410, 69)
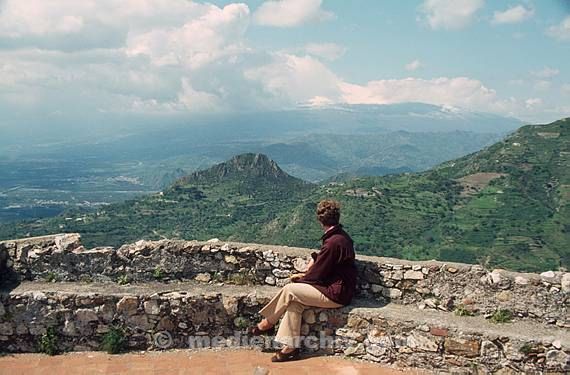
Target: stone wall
point(162, 316)
point(428, 285)
point(161, 293)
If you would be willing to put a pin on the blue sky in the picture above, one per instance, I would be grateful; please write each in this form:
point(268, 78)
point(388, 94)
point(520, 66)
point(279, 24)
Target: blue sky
point(382, 36)
point(70, 59)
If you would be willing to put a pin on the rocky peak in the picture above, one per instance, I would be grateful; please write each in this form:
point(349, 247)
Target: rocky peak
point(244, 165)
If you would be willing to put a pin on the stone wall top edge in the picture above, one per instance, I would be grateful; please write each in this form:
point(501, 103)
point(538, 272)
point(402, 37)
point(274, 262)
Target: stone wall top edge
point(143, 290)
point(291, 251)
point(36, 238)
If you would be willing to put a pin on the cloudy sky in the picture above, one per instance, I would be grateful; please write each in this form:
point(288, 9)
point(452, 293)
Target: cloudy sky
point(75, 59)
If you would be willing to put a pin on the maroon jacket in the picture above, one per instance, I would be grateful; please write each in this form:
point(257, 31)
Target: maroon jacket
point(333, 272)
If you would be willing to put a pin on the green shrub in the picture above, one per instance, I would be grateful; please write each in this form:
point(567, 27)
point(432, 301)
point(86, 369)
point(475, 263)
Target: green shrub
point(123, 280)
point(526, 349)
point(461, 310)
point(86, 279)
point(241, 322)
point(502, 316)
point(47, 342)
point(114, 341)
point(158, 273)
point(218, 277)
point(242, 278)
point(51, 277)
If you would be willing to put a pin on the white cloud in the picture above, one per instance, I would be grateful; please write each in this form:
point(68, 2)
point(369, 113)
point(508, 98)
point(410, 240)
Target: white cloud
point(151, 106)
point(565, 88)
point(459, 91)
point(543, 76)
point(446, 14)
point(545, 72)
point(328, 51)
point(113, 82)
point(303, 79)
point(21, 18)
point(167, 57)
point(36, 17)
point(413, 66)
point(289, 13)
point(296, 79)
point(215, 34)
point(542, 85)
point(532, 103)
point(80, 82)
point(86, 24)
point(15, 72)
point(189, 100)
point(198, 101)
point(560, 31)
point(514, 14)
point(319, 101)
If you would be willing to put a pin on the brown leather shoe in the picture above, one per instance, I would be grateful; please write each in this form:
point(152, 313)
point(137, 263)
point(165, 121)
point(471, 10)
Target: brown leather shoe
point(284, 357)
point(255, 331)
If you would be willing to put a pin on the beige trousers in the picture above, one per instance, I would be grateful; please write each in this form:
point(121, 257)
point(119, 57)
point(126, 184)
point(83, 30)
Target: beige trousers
point(290, 302)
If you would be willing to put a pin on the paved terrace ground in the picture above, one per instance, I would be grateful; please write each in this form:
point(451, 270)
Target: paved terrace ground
point(204, 362)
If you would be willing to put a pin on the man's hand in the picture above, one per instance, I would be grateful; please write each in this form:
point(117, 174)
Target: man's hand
point(311, 262)
point(296, 276)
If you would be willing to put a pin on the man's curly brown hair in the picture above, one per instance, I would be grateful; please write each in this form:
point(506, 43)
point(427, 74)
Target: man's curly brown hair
point(328, 212)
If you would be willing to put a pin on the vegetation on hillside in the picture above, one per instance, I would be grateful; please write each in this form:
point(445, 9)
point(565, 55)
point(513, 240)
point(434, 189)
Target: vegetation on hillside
point(506, 206)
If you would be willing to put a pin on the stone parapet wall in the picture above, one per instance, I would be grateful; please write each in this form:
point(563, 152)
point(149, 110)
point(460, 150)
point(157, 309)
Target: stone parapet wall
point(183, 315)
point(468, 289)
point(164, 294)
point(84, 313)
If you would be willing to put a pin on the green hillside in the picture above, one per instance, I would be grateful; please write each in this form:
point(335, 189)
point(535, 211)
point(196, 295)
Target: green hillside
point(505, 206)
point(231, 197)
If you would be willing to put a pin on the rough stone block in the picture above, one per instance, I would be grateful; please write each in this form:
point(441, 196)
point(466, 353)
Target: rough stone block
point(203, 277)
point(128, 305)
point(151, 307)
point(6, 329)
point(282, 274)
point(489, 350)
point(86, 316)
point(557, 359)
point(309, 316)
point(413, 275)
point(391, 292)
point(300, 264)
point(436, 331)
point(421, 342)
point(462, 347)
point(565, 282)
